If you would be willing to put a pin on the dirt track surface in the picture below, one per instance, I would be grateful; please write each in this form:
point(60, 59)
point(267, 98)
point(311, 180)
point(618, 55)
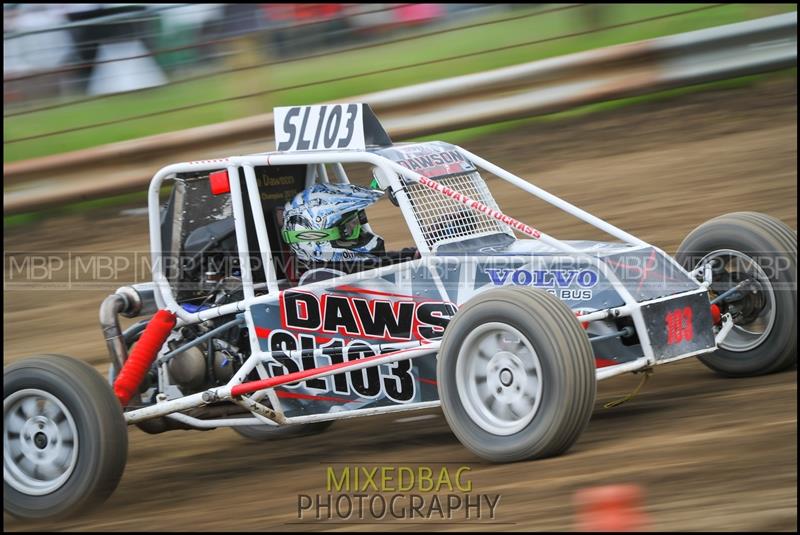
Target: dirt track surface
point(709, 453)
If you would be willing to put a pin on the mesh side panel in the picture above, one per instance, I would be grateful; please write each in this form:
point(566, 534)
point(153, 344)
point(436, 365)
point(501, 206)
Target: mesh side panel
point(443, 219)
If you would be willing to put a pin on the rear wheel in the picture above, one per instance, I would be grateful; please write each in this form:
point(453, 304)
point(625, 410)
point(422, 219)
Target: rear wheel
point(65, 441)
point(516, 375)
point(268, 432)
point(753, 257)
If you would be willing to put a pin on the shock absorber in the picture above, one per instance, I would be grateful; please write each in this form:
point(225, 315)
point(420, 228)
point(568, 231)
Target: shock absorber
point(143, 354)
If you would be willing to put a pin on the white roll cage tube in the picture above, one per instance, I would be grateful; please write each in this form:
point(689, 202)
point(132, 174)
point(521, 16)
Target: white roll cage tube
point(387, 178)
point(387, 175)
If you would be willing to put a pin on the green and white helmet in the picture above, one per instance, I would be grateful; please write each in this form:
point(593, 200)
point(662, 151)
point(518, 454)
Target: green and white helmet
point(324, 223)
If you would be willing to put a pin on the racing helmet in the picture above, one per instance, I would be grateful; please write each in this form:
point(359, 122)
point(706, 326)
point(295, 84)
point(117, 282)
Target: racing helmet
point(324, 223)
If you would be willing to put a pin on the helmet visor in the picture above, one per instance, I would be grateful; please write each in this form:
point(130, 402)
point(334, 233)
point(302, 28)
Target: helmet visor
point(350, 229)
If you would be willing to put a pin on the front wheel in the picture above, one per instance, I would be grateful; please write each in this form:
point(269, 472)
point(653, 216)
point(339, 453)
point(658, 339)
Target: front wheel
point(753, 263)
point(65, 441)
point(516, 375)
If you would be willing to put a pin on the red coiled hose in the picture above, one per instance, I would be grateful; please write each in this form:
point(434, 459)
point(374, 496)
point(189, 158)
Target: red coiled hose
point(143, 354)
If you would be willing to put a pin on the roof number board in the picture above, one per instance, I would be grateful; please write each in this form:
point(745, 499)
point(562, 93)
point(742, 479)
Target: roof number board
point(321, 127)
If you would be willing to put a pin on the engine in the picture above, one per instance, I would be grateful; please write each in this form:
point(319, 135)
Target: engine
point(210, 363)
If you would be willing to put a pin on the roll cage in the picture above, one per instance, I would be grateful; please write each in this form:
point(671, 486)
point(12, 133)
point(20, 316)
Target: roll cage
point(259, 298)
point(249, 211)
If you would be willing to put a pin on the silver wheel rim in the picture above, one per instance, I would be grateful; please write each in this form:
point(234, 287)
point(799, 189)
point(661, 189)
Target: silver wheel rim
point(498, 377)
point(40, 442)
point(744, 337)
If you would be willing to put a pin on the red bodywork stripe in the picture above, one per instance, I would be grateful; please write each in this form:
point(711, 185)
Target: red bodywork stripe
point(354, 289)
point(261, 332)
point(602, 363)
point(357, 290)
point(264, 333)
point(298, 395)
point(428, 381)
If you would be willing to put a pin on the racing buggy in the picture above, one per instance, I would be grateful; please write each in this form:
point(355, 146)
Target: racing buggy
point(507, 328)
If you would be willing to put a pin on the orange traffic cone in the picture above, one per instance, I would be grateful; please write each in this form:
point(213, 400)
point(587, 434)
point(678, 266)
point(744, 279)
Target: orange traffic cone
point(610, 508)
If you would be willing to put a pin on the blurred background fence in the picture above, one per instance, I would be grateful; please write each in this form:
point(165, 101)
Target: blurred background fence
point(64, 52)
point(79, 76)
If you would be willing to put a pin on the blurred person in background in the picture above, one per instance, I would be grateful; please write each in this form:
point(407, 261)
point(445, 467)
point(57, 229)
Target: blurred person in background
point(106, 33)
point(297, 29)
point(415, 14)
point(240, 31)
point(185, 26)
point(35, 51)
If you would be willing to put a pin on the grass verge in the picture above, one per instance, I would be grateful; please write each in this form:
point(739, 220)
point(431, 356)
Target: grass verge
point(458, 136)
point(346, 64)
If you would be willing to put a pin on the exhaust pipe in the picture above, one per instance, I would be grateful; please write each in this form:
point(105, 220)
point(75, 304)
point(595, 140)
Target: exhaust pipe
point(110, 309)
point(130, 301)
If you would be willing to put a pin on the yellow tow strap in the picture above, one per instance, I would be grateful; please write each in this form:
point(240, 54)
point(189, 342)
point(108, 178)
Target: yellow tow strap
point(611, 404)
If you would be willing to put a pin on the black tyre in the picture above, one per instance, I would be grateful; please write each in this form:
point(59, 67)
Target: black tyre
point(516, 375)
point(268, 432)
point(757, 253)
point(65, 441)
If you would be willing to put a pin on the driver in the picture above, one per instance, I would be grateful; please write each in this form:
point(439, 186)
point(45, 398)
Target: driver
point(324, 225)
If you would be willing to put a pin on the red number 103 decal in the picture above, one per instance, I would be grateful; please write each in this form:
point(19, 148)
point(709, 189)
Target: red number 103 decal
point(679, 325)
